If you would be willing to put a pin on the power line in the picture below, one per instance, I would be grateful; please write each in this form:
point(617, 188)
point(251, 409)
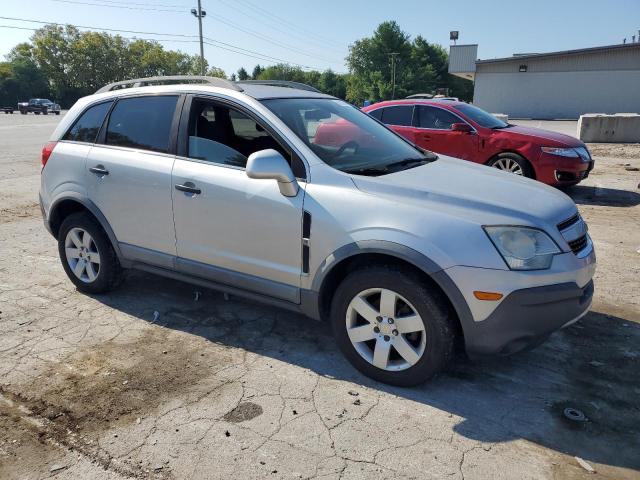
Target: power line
point(76, 2)
point(253, 33)
point(212, 42)
point(218, 18)
point(304, 37)
point(142, 4)
point(286, 22)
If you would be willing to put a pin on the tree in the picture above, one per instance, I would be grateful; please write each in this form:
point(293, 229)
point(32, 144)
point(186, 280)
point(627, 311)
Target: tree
point(20, 77)
point(65, 63)
point(233, 77)
point(216, 72)
point(421, 67)
point(257, 70)
point(242, 74)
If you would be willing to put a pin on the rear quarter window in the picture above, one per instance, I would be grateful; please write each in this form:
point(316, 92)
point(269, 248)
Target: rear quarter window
point(86, 127)
point(142, 122)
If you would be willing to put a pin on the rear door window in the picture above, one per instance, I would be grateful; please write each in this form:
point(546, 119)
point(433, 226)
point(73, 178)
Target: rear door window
point(401, 115)
point(86, 128)
point(142, 122)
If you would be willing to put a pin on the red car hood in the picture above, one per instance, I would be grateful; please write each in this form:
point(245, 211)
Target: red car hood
point(546, 136)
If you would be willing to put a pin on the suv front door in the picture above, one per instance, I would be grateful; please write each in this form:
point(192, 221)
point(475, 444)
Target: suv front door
point(232, 229)
point(129, 176)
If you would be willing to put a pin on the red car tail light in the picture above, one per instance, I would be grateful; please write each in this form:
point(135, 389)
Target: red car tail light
point(47, 150)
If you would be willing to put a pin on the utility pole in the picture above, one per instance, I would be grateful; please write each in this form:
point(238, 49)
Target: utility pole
point(393, 58)
point(199, 14)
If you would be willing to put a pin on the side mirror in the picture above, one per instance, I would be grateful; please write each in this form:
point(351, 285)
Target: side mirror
point(461, 127)
point(271, 164)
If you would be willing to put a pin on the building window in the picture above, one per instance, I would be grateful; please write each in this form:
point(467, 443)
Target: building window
point(522, 68)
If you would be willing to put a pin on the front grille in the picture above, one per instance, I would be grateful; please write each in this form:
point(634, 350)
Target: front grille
point(568, 222)
point(578, 244)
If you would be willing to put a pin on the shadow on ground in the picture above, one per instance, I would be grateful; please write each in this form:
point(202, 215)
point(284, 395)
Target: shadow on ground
point(593, 366)
point(600, 196)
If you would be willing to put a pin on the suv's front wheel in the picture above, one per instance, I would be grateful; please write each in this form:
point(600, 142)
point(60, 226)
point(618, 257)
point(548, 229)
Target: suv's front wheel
point(87, 255)
point(391, 326)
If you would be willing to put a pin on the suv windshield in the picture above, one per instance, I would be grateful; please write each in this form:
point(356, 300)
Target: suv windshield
point(482, 118)
point(346, 138)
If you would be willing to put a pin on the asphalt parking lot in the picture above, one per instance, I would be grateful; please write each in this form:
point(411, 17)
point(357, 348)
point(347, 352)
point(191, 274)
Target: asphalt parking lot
point(156, 381)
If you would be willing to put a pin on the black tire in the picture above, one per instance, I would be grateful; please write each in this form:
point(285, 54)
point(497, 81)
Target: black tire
point(36, 113)
point(45, 112)
point(57, 113)
point(429, 304)
point(22, 112)
point(523, 162)
point(110, 273)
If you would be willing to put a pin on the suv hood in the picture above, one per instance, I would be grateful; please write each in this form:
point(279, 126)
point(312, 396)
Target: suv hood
point(541, 136)
point(472, 192)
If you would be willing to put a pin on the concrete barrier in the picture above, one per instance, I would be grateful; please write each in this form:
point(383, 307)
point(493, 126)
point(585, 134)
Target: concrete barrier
point(602, 128)
point(501, 116)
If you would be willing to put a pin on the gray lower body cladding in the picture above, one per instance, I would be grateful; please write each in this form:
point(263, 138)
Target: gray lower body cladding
point(527, 317)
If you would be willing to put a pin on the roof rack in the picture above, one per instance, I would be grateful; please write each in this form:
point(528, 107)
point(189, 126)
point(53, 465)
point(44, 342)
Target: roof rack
point(169, 79)
point(281, 83)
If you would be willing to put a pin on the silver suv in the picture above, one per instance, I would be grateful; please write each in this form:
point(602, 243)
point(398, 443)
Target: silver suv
point(282, 194)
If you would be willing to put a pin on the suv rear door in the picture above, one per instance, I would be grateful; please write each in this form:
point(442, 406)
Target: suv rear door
point(229, 228)
point(129, 175)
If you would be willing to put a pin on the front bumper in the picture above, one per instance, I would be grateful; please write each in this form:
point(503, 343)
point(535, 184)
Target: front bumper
point(527, 317)
point(535, 303)
point(556, 170)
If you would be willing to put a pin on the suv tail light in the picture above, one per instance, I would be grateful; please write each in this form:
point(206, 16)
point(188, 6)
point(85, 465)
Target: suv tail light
point(47, 150)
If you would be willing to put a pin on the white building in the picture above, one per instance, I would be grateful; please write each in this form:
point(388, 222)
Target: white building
point(556, 85)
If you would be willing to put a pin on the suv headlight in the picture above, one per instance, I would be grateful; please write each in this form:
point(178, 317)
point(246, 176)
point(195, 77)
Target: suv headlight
point(523, 248)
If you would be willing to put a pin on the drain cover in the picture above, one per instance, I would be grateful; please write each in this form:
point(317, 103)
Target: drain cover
point(575, 415)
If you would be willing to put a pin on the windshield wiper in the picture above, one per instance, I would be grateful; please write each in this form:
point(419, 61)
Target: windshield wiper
point(368, 171)
point(413, 162)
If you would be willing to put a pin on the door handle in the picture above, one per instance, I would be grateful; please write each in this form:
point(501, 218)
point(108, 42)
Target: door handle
point(99, 170)
point(188, 188)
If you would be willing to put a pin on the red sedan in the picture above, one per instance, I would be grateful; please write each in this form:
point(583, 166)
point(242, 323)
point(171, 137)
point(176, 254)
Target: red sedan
point(465, 131)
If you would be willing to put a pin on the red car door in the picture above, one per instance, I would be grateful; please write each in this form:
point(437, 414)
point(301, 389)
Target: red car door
point(434, 133)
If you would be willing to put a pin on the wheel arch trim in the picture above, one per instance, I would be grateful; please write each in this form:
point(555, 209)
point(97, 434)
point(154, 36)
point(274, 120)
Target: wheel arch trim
point(407, 254)
point(94, 210)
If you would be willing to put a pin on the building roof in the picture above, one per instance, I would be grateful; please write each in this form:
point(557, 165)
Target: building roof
point(519, 58)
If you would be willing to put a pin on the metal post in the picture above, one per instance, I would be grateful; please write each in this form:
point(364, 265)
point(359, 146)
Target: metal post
point(199, 14)
point(393, 57)
point(201, 44)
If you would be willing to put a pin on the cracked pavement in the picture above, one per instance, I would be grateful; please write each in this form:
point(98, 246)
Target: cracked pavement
point(219, 387)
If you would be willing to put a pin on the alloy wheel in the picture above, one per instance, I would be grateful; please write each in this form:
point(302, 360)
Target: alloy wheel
point(82, 254)
point(508, 165)
point(385, 329)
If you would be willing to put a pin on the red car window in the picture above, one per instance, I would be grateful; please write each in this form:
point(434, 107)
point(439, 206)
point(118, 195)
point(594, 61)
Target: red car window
point(435, 118)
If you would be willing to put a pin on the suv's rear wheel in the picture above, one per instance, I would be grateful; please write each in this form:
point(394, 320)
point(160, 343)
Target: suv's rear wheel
point(512, 163)
point(391, 326)
point(87, 255)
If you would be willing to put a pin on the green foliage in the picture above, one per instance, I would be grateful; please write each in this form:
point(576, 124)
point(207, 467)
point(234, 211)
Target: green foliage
point(64, 64)
point(328, 81)
point(421, 67)
point(257, 70)
point(242, 74)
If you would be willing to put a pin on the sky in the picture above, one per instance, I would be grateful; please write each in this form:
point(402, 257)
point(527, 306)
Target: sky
point(317, 34)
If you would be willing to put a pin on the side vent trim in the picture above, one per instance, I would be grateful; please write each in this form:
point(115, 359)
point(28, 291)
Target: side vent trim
point(306, 236)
